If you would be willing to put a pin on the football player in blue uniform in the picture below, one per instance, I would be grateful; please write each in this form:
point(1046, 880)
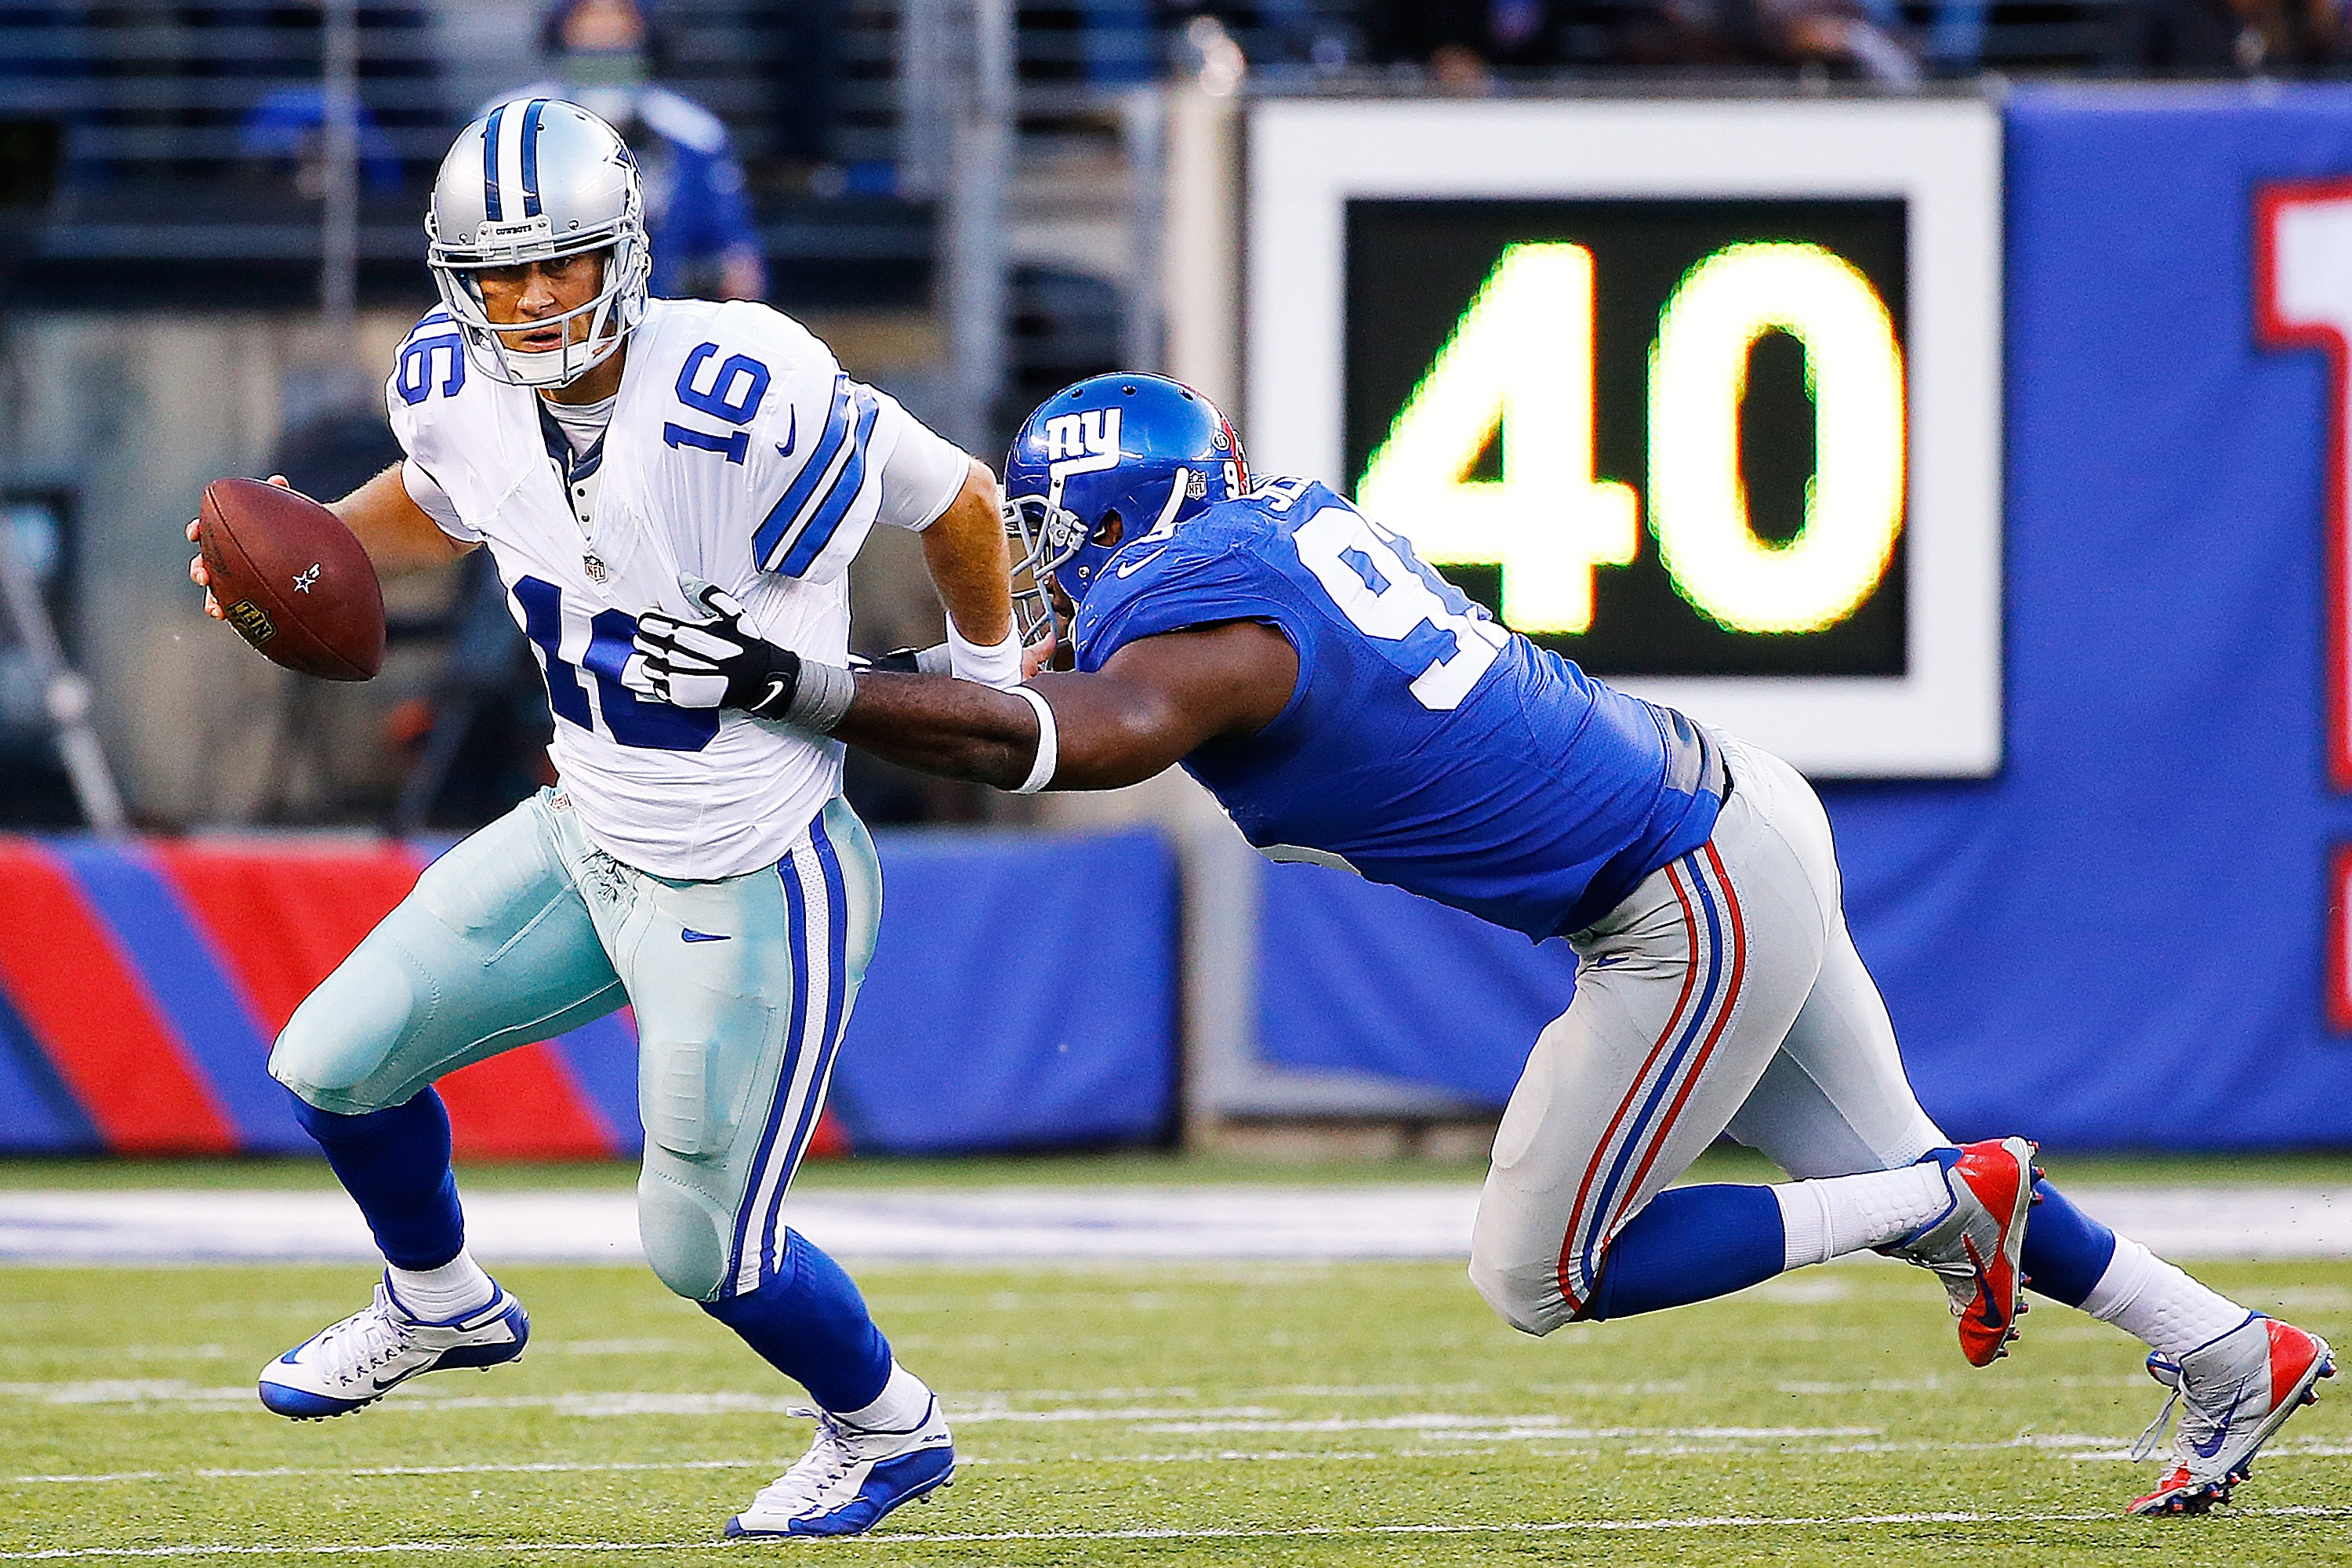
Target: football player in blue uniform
point(1346, 703)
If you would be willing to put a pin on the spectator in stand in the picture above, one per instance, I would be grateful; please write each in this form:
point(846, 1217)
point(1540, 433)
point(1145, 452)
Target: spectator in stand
point(255, 43)
point(286, 130)
point(2241, 37)
point(1462, 43)
point(605, 54)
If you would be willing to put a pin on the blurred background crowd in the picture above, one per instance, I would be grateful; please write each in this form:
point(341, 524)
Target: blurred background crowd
point(204, 263)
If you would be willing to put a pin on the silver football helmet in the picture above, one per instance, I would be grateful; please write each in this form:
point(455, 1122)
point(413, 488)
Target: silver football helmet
point(531, 180)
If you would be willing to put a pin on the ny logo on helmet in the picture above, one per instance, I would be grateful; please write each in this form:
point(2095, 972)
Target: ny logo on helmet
point(1084, 443)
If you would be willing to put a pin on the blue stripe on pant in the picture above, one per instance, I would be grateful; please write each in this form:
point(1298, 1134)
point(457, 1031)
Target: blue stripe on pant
point(1711, 994)
point(836, 1017)
point(817, 926)
point(525, 929)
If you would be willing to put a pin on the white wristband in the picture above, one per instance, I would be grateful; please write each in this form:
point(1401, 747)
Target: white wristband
point(998, 664)
point(1049, 750)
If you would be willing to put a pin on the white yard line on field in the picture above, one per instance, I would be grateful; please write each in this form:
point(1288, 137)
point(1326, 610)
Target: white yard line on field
point(1062, 1224)
point(2076, 1447)
point(1220, 1457)
point(983, 1538)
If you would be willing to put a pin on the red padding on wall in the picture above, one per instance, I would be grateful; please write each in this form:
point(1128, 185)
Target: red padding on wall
point(284, 917)
point(521, 1105)
point(831, 1139)
point(95, 1018)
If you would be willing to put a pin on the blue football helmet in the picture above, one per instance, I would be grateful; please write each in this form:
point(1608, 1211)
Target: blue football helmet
point(1145, 450)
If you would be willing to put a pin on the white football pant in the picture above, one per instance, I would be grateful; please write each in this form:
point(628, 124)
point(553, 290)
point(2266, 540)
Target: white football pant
point(1723, 995)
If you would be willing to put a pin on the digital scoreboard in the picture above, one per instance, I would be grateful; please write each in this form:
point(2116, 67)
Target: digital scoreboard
point(1704, 395)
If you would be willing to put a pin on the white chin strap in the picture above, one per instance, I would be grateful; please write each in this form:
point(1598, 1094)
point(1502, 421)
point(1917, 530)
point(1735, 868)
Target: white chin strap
point(567, 363)
point(552, 367)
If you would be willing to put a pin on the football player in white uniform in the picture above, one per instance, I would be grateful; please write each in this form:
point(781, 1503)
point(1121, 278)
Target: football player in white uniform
point(696, 859)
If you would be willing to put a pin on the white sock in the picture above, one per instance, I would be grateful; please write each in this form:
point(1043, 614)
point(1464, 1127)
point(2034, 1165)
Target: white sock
point(437, 1295)
point(1837, 1214)
point(2153, 1302)
point(903, 1403)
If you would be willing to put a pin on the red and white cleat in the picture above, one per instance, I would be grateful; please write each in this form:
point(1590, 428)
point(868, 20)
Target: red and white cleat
point(2234, 1391)
point(1974, 1247)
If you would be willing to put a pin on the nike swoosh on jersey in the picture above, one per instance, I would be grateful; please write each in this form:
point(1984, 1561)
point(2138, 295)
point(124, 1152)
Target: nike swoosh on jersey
point(689, 934)
point(792, 433)
point(1132, 567)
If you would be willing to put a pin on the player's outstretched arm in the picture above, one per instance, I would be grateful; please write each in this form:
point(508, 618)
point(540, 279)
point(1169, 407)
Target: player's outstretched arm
point(398, 535)
point(965, 553)
point(1154, 701)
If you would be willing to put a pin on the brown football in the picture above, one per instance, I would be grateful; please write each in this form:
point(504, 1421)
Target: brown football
point(292, 580)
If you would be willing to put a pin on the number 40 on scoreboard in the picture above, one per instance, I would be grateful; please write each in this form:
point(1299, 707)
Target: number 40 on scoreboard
point(1705, 396)
point(1518, 373)
point(1666, 438)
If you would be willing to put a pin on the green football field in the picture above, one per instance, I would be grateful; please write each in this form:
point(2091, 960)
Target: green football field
point(1302, 1414)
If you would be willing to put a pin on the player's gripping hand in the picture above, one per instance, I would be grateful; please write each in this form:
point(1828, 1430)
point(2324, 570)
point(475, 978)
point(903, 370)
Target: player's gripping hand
point(940, 660)
point(198, 575)
point(717, 662)
point(1043, 655)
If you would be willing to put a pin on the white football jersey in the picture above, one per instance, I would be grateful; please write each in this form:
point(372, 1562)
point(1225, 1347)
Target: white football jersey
point(739, 453)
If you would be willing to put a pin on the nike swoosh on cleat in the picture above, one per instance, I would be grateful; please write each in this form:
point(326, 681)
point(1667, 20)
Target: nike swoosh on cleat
point(690, 934)
point(1991, 1315)
point(2221, 1436)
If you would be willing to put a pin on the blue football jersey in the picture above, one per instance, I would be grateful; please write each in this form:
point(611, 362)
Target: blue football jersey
point(1424, 745)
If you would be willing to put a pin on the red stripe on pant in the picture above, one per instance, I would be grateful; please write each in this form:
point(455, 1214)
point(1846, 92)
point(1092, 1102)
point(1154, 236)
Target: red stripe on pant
point(284, 918)
point(1567, 1247)
point(95, 1018)
point(1722, 1020)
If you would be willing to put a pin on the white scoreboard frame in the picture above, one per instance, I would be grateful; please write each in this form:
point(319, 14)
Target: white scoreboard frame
point(1307, 158)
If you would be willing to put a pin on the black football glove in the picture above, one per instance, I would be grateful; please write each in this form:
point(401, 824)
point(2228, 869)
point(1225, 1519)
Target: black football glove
point(716, 663)
point(905, 660)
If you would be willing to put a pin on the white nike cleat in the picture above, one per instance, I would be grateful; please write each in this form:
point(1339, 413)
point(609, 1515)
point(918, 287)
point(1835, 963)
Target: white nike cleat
point(851, 1476)
point(359, 1360)
point(1974, 1247)
point(2233, 1392)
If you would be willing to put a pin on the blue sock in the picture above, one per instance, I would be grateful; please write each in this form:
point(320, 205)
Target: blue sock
point(2065, 1249)
point(395, 1164)
point(1690, 1244)
point(808, 1322)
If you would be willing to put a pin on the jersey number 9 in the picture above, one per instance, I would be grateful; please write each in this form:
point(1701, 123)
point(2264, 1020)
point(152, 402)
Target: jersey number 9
point(1392, 598)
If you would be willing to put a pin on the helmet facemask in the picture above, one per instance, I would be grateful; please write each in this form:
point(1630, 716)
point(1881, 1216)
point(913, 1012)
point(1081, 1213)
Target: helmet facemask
point(618, 306)
point(1044, 537)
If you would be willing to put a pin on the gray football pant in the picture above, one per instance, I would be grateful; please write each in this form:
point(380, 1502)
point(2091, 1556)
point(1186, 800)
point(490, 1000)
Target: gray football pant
point(1723, 995)
point(526, 929)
